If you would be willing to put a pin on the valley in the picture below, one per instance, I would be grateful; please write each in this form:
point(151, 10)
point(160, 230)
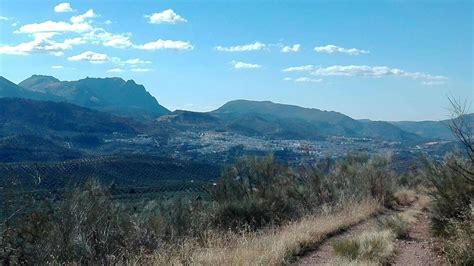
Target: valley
point(52, 121)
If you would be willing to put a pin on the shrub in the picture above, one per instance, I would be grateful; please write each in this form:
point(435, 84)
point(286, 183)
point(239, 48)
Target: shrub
point(405, 197)
point(255, 192)
point(84, 226)
point(375, 247)
point(453, 194)
point(398, 225)
point(459, 247)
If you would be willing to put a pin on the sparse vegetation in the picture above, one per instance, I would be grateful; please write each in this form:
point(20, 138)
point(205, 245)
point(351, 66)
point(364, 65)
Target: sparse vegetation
point(376, 247)
point(398, 225)
point(452, 215)
point(405, 197)
point(259, 210)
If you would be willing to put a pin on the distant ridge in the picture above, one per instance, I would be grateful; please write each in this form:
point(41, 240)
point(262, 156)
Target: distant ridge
point(274, 119)
point(106, 94)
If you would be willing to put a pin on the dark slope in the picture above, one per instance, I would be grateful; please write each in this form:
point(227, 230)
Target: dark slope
point(10, 89)
point(24, 116)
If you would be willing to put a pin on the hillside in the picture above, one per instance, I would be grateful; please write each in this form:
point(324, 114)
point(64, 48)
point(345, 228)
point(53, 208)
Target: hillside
point(23, 116)
point(432, 129)
point(289, 121)
point(31, 148)
point(106, 94)
point(132, 171)
point(10, 89)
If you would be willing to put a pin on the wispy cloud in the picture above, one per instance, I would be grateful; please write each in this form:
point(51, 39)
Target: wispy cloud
point(136, 61)
point(57, 67)
point(299, 68)
point(307, 80)
point(41, 44)
point(291, 49)
point(333, 49)
point(95, 58)
point(140, 69)
point(101, 36)
point(167, 16)
point(82, 18)
point(368, 71)
point(242, 48)
point(115, 70)
point(303, 80)
point(242, 65)
point(166, 44)
point(78, 24)
point(63, 7)
point(3, 18)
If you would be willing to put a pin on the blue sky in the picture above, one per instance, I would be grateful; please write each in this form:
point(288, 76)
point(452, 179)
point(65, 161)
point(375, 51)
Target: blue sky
point(382, 60)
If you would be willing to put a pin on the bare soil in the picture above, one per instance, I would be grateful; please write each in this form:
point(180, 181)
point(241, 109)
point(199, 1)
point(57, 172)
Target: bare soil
point(420, 249)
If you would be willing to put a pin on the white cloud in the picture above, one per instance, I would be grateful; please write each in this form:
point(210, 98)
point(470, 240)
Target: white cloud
point(118, 41)
point(433, 82)
point(287, 79)
point(165, 17)
point(115, 70)
point(52, 26)
point(299, 68)
point(242, 48)
point(242, 65)
point(333, 49)
point(136, 61)
point(63, 7)
point(140, 69)
point(81, 18)
point(108, 22)
point(166, 44)
point(307, 80)
point(287, 49)
point(41, 44)
point(57, 67)
point(368, 71)
point(101, 36)
point(78, 24)
point(377, 71)
point(95, 58)
point(3, 18)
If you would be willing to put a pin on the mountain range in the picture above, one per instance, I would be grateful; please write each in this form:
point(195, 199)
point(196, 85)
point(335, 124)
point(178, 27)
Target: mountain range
point(113, 95)
point(100, 105)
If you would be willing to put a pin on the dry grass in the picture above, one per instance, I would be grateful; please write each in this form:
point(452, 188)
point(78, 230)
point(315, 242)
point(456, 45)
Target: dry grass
point(271, 247)
point(346, 262)
point(370, 246)
point(405, 197)
point(378, 247)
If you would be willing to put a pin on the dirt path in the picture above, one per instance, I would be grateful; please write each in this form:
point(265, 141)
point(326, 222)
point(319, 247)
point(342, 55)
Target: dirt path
point(419, 250)
point(416, 251)
point(323, 254)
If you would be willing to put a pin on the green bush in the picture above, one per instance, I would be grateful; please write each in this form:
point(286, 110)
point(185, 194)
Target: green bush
point(453, 194)
point(258, 191)
point(459, 247)
point(255, 192)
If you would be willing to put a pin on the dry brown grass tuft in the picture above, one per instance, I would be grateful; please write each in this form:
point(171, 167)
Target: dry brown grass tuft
point(371, 246)
point(346, 262)
point(273, 246)
point(405, 197)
